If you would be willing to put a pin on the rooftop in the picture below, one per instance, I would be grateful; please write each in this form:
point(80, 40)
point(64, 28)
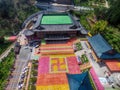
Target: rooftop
point(57, 21)
point(79, 81)
point(102, 48)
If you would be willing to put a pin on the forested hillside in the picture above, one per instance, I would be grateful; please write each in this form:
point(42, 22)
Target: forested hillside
point(13, 13)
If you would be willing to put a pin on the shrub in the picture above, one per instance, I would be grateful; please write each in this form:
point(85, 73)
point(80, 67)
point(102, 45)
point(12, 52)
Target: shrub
point(5, 66)
point(78, 46)
point(4, 46)
point(84, 58)
point(33, 80)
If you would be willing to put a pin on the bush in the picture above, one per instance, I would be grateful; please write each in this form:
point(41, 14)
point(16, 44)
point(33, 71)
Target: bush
point(34, 73)
point(112, 35)
point(35, 66)
point(84, 58)
point(35, 61)
point(5, 66)
point(78, 46)
point(32, 87)
point(33, 80)
point(4, 46)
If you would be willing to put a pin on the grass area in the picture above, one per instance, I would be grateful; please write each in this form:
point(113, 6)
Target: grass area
point(84, 58)
point(4, 46)
point(33, 77)
point(5, 69)
point(78, 46)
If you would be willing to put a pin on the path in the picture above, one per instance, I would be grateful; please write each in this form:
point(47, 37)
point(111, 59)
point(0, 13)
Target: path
point(82, 8)
point(106, 4)
point(29, 73)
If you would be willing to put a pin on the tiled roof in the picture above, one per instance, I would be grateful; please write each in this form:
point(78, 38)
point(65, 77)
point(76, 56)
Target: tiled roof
point(79, 81)
point(101, 47)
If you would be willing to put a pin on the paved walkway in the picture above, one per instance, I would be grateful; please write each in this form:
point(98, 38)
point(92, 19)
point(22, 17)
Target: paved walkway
point(106, 4)
point(28, 78)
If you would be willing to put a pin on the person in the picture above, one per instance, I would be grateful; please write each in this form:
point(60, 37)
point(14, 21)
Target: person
point(30, 50)
point(106, 74)
point(112, 85)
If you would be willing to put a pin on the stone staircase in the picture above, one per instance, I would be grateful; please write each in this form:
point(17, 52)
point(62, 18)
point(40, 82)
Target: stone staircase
point(49, 49)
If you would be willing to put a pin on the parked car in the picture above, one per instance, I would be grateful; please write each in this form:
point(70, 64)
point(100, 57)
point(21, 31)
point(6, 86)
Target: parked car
point(21, 82)
point(20, 86)
point(22, 76)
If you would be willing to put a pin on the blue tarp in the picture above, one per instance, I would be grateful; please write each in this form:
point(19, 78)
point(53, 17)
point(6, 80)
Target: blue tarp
point(79, 81)
point(101, 47)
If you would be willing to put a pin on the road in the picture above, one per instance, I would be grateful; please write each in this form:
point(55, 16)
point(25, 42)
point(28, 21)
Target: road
point(4, 54)
point(20, 63)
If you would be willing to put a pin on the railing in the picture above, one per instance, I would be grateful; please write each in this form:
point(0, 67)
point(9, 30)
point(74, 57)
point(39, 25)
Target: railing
point(30, 17)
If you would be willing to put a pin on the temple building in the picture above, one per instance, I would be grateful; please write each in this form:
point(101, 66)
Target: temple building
point(52, 26)
point(102, 49)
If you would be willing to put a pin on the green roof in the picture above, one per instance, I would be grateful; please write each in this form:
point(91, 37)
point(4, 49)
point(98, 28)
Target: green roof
point(56, 19)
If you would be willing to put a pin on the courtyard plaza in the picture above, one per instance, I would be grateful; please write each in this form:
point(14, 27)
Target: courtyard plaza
point(58, 60)
point(99, 68)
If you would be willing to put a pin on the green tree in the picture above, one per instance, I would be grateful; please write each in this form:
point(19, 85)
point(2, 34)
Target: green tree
point(113, 14)
point(99, 27)
point(100, 12)
point(13, 13)
point(7, 9)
